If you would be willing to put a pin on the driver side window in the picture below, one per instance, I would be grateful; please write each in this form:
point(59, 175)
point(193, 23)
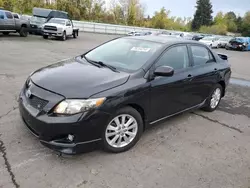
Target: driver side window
point(68, 23)
point(176, 57)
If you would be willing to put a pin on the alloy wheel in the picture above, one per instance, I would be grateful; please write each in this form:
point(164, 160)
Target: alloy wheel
point(121, 131)
point(216, 96)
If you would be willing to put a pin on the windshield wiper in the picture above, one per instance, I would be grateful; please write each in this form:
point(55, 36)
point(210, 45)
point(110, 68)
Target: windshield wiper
point(90, 61)
point(100, 64)
point(105, 65)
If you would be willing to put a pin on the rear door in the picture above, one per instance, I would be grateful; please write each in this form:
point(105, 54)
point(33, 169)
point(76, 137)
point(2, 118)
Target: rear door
point(204, 73)
point(9, 21)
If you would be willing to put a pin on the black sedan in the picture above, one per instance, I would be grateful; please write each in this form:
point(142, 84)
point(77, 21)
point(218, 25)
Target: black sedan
point(111, 94)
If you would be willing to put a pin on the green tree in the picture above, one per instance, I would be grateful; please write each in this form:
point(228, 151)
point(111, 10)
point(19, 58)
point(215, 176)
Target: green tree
point(230, 19)
point(239, 21)
point(219, 19)
point(246, 24)
point(131, 12)
point(203, 14)
point(160, 19)
point(7, 4)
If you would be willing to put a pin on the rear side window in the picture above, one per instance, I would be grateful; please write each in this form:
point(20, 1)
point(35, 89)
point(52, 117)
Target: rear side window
point(201, 55)
point(9, 15)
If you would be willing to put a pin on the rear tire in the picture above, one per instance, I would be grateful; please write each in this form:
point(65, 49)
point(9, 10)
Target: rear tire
point(45, 36)
point(75, 35)
point(23, 32)
point(6, 33)
point(126, 134)
point(214, 99)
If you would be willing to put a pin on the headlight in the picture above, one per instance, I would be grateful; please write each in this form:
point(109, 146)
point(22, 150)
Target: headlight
point(59, 29)
point(74, 106)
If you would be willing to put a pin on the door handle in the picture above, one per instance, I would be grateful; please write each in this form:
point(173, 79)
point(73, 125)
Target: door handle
point(215, 69)
point(189, 78)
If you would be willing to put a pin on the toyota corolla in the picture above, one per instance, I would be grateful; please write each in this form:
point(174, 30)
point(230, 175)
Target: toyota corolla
point(109, 95)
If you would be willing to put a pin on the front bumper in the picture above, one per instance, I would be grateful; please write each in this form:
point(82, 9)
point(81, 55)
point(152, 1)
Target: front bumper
point(236, 47)
point(37, 31)
point(52, 131)
point(53, 33)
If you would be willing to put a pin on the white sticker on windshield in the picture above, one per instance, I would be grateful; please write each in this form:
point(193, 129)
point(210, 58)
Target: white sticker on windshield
point(140, 49)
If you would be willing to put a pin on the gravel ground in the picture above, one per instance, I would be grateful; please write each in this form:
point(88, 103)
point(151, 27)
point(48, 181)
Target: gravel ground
point(198, 150)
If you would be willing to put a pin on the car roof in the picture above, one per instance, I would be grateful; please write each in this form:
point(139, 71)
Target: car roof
point(163, 39)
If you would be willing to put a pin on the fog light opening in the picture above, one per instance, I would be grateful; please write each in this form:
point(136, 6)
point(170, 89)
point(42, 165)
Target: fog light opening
point(71, 137)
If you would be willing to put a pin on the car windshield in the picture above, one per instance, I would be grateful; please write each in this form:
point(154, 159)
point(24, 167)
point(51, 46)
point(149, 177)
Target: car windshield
point(225, 39)
point(57, 21)
point(37, 19)
point(239, 39)
point(124, 53)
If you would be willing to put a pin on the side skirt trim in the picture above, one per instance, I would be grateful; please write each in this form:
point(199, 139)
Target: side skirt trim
point(197, 106)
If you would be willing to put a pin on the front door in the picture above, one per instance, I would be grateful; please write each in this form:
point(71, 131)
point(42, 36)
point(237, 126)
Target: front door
point(69, 28)
point(170, 95)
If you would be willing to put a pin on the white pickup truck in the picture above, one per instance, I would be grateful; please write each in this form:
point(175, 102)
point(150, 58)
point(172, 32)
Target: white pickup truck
point(60, 28)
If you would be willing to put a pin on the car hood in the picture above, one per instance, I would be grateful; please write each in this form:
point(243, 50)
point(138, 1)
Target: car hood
point(75, 79)
point(54, 24)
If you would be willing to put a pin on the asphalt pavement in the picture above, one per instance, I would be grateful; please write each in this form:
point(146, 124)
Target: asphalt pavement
point(198, 149)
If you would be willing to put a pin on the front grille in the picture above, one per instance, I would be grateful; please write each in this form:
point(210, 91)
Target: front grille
point(51, 28)
point(37, 102)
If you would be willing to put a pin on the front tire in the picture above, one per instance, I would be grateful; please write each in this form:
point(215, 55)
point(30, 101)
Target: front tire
point(23, 32)
point(64, 37)
point(45, 36)
point(214, 99)
point(123, 130)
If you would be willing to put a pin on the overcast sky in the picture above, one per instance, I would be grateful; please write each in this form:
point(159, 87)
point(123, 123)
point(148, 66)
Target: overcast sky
point(186, 8)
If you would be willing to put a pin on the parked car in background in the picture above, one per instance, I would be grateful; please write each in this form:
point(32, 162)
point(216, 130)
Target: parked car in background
point(164, 33)
point(138, 82)
point(11, 23)
point(134, 33)
point(147, 33)
point(41, 16)
point(224, 41)
point(212, 42)
point(239, 43)
point(198, 37)
point(59, 28)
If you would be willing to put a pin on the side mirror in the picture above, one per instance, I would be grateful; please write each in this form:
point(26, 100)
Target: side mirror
point(1, 17)
point(164, 71)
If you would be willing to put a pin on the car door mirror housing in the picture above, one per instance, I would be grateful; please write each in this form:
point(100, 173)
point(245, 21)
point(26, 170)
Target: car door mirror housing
point(164, 71)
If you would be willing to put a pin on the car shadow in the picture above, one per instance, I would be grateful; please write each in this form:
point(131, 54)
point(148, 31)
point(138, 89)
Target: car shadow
point(11, 35)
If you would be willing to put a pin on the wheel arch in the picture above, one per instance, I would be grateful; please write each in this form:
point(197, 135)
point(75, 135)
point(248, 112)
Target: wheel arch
point(223, 85)
point(139, 109)
point(24, 25)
